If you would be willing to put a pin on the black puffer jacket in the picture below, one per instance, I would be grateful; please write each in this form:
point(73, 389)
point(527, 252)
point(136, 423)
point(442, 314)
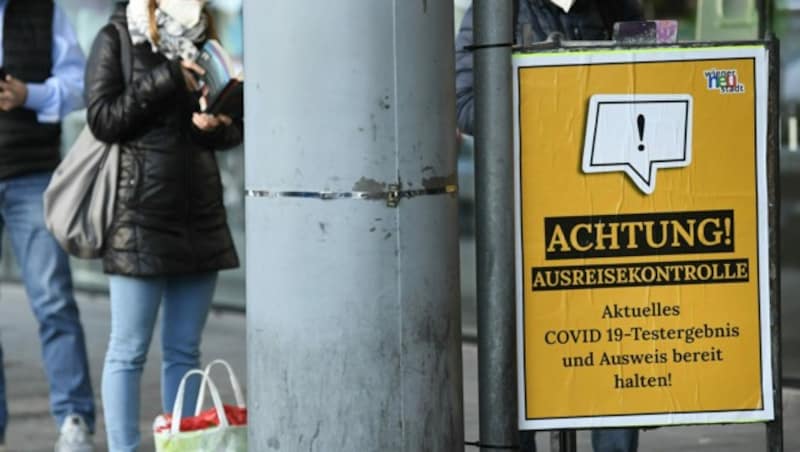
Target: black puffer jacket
point(169, 218)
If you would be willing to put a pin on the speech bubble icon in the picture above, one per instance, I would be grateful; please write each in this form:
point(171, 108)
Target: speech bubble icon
point(638, 134)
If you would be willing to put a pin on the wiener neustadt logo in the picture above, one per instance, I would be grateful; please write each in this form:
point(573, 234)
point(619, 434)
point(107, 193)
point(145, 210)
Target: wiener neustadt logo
point(726, 81)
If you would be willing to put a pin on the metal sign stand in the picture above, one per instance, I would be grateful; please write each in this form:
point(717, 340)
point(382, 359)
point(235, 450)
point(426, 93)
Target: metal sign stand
point(774, 428)
point(565, 440)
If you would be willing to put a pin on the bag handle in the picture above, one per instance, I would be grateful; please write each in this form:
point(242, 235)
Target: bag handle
point(177, 408)
point(126, 58)
point(237, 389)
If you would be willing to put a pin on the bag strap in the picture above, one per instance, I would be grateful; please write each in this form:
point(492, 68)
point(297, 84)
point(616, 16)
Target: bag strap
point(126, 58)
point(237, 388)
point(177, 408)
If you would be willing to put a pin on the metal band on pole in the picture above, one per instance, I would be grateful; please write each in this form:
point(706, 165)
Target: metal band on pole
point(392, 196)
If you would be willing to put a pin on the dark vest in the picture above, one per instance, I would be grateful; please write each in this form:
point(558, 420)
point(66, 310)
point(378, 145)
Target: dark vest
point(26, 145)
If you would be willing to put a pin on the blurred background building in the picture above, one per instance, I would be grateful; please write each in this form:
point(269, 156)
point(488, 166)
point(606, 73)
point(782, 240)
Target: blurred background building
point(706, 20)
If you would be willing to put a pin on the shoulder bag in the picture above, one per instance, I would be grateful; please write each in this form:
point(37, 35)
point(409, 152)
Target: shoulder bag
point(79, 200)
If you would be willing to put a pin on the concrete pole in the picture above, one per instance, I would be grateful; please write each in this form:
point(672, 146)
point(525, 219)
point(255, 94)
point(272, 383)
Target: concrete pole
point(354, 333)
point(494, 198)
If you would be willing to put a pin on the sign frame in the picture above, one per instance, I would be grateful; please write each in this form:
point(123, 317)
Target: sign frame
point(767, 274)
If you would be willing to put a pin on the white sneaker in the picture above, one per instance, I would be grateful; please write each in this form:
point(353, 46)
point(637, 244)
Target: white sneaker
point(74, 436)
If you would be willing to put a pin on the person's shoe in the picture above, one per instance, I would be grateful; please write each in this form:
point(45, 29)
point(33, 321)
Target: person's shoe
point(74, 436)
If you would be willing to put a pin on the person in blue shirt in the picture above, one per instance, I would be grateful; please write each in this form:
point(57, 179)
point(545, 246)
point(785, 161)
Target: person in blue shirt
point(574, 20)
point(43, 81)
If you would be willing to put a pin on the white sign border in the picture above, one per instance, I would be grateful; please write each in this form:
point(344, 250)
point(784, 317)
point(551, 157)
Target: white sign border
point(586, 56)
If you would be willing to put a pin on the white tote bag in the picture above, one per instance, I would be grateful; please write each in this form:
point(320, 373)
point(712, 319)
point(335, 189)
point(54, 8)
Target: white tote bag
point(220, 438)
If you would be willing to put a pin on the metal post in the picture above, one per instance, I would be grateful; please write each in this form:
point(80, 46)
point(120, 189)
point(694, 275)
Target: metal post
point(563, 441)
point(497, 374)
point(775, 428)
point(567, 441)
point(353, 316)
point(766, 14)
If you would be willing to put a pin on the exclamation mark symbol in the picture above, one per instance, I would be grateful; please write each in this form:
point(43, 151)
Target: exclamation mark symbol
point(728, 237)
point(640, 125)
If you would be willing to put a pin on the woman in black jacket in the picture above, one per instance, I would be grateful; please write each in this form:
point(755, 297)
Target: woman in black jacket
point(169, 236)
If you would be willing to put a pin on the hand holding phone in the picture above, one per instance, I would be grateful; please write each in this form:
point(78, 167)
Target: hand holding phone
point(191, 71)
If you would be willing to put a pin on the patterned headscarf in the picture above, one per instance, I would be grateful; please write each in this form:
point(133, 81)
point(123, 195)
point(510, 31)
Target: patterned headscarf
point(181, 26)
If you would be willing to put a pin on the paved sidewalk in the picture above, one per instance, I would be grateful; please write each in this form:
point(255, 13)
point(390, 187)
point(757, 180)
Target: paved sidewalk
point(31, 428)
point(714, 438)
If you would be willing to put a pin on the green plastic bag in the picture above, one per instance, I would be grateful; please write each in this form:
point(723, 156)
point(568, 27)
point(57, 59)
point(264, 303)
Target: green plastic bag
point(221, 438)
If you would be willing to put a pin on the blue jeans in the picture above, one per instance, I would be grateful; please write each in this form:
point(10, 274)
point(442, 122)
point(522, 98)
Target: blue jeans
point(48, 283)
point(135, 302)
point(615, 440)
point(603, 440)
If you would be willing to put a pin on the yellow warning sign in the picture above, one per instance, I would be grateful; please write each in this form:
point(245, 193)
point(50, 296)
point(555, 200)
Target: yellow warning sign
point(642, 237)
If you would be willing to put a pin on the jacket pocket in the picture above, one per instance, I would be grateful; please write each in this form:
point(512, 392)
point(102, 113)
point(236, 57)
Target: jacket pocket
point(129, 178)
